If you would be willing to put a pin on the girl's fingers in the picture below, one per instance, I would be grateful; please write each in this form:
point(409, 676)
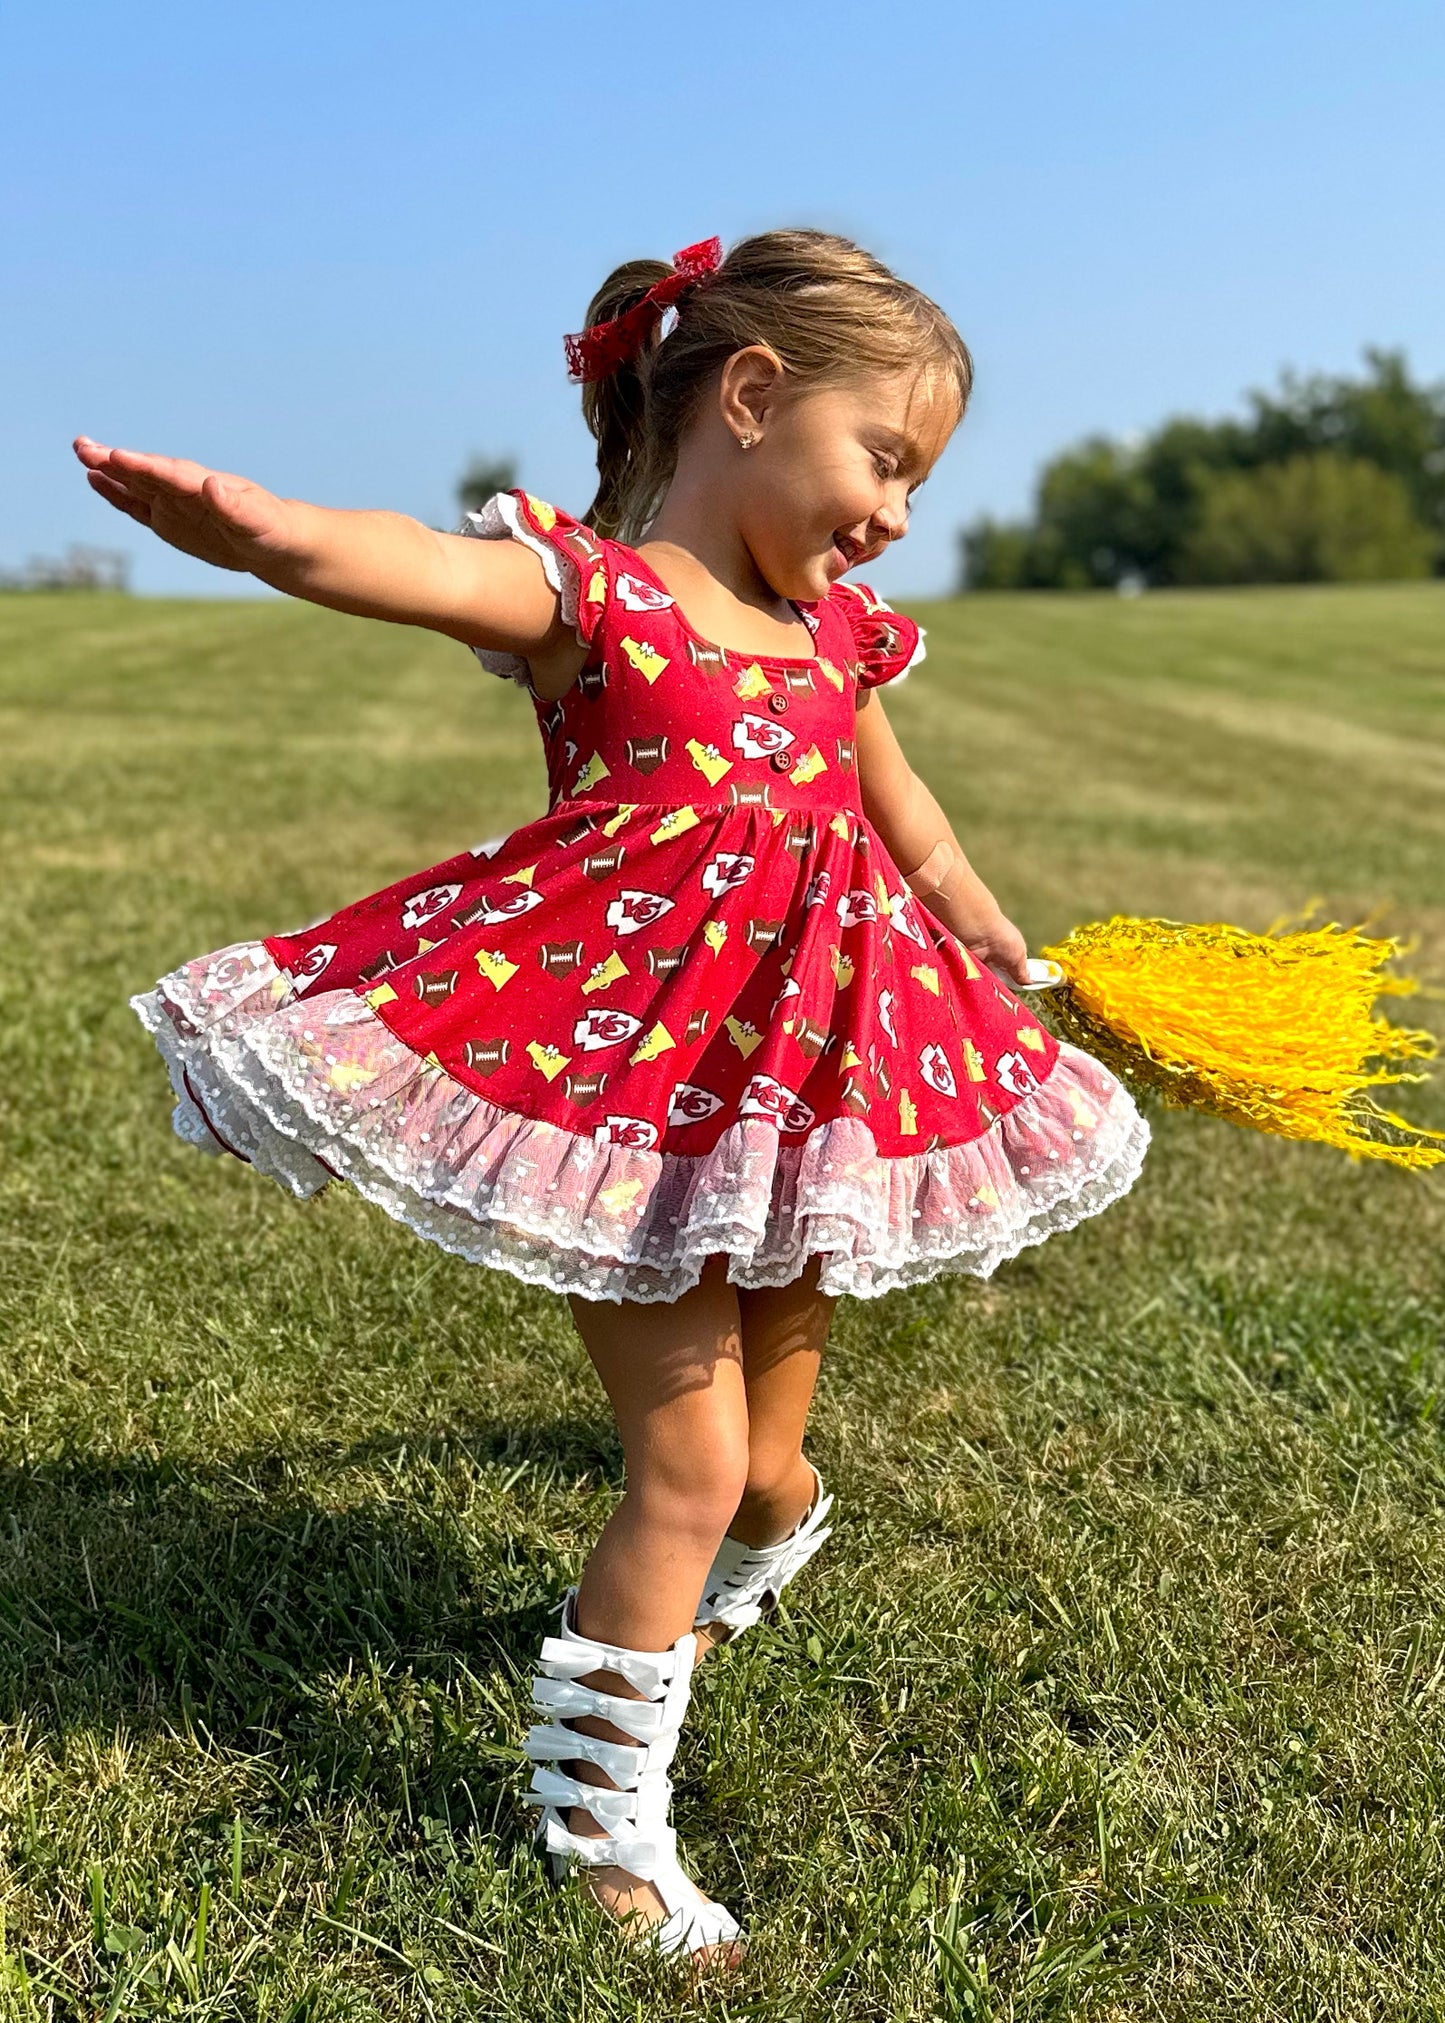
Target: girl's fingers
point(208, 513)
point(147, 476)
point(157, 477)
point(241, 510)
point(116, 495)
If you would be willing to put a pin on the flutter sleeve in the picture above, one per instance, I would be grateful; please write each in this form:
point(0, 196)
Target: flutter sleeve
point(575, 560)
point(886, 644)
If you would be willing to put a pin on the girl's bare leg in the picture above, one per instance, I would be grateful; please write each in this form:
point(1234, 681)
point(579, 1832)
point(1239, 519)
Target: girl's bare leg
point(674, 1375)
point(784, 1330)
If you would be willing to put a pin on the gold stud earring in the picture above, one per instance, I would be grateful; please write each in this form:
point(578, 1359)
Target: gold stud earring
point(746, 440)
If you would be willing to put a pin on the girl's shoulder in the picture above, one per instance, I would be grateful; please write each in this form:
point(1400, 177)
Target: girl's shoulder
point(571, 555)
point(600, 583)
point(579, 564)
point(617, 608)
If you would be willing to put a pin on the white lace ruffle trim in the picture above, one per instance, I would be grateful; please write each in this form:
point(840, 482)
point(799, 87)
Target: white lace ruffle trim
point(500, 519)
point(311, 1089)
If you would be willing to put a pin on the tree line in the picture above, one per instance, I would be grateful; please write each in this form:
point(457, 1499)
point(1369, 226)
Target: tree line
point(1329, 479)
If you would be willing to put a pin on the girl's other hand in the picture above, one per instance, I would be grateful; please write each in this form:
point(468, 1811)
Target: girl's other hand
point(1000, 945)
point(220, 518)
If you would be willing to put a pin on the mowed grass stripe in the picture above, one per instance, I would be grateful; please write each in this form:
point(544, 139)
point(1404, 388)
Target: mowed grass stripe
point(1118, 1689)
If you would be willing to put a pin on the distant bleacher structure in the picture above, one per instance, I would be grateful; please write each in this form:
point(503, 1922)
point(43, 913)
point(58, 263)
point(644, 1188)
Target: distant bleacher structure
point(80, 568)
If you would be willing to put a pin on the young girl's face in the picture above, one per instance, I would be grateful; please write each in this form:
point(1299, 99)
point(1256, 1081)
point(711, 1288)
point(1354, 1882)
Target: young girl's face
point(829, 485)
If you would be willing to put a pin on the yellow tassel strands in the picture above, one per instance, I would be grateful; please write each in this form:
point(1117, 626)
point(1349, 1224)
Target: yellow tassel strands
point(1272, 1030)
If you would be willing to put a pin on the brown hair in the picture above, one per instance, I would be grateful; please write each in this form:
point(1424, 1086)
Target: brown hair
point(825, 306)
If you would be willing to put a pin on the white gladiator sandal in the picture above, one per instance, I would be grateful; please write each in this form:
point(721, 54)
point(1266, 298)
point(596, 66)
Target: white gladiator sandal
point(744, 1581)
point(637, 1837)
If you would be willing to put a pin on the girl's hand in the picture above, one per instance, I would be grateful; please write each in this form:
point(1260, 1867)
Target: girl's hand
point(997, 943)
point(219, 518)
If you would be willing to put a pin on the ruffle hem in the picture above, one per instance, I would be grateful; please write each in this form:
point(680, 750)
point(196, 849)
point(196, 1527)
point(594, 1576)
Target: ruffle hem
point(313, 1089)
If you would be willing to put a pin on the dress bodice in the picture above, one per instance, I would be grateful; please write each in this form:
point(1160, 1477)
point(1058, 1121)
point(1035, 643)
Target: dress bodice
point(661, 716)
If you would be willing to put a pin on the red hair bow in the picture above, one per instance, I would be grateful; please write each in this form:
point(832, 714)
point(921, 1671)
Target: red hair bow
point(602, 347)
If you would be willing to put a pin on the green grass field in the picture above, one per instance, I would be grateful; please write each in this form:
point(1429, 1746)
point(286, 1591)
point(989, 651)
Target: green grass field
point(1120, 1690)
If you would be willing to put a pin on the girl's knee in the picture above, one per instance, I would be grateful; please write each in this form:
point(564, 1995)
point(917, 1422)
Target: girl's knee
point(697, 1487)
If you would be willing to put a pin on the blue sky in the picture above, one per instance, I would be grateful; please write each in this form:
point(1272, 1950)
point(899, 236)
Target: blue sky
point(336, 248)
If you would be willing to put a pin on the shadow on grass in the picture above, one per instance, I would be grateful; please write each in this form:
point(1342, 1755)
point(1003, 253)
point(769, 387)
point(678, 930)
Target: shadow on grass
point(363, 1621)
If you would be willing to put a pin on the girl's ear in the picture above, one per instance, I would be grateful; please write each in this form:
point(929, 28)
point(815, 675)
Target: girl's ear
point(749, 388)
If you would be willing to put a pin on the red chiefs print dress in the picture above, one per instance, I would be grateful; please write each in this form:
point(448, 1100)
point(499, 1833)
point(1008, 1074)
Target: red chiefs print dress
point(692, 1008)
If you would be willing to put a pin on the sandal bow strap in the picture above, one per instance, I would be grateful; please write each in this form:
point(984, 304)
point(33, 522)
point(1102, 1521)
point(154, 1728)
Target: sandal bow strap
point(746, 1580)
point(644, 1720)
point(648, 1672)
point(637, 1836)
point(638, 1769)
point(644, 1855)
point(621, 1813)
point(623, 1764)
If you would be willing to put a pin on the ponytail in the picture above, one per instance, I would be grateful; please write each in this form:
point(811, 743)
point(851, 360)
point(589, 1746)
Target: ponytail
point(615, 407)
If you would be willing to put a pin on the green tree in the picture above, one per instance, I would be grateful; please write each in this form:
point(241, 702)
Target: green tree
point(1159, 510)
point(1385, 418)
point(482, 477)
point(1175, 464)
point(1319, 518)
point(1007, 555)
point(1095, 511)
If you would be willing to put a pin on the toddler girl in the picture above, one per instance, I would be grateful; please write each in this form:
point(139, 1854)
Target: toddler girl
point(722, 1036)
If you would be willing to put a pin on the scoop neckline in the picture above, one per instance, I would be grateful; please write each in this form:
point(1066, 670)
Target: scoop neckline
point(712, 645)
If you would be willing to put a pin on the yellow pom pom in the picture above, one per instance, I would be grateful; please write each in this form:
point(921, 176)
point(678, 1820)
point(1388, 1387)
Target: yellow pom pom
point(1272, 1030)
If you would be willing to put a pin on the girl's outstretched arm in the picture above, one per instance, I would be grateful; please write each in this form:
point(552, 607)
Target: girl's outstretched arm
point(917, 836)
point(373, 564)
